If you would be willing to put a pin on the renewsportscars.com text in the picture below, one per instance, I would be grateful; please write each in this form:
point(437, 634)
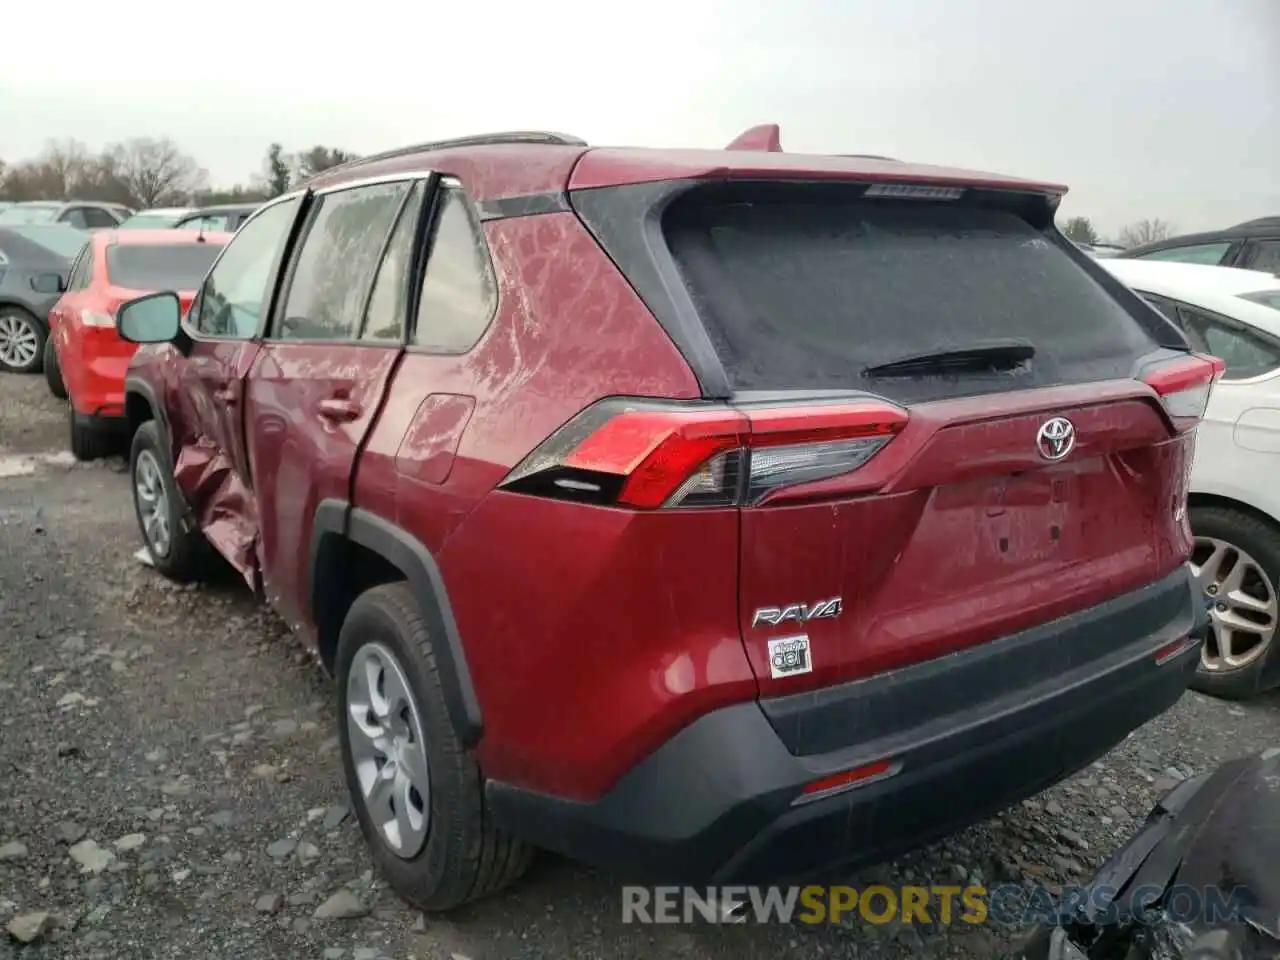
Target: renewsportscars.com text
point(1008, 904)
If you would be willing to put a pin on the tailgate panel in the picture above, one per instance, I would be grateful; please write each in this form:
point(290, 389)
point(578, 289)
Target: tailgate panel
point(973, 537)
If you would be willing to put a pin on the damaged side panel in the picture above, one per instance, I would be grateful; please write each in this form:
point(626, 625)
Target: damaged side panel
point(205, 405)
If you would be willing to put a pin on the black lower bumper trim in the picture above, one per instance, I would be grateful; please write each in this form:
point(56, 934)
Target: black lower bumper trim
point(716, 802)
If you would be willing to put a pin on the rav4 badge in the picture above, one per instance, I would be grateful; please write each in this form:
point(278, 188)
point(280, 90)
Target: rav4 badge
point(798, 613)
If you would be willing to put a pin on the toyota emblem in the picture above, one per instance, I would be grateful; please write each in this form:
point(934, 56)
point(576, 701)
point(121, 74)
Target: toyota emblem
point(1056, 438)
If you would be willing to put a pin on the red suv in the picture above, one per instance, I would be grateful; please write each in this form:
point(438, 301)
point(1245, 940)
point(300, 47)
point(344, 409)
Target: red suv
point(85, 359)
point(712, 516)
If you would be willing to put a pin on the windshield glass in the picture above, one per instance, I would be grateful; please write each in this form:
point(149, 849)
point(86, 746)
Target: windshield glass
point(154, 266)
point(29, 213)
point(63, 241)
point(1268, 298)
point(149, 221)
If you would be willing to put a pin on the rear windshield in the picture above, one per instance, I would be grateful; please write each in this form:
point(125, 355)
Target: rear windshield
point(806, 294)
point(147, 266)
point(1268, 298)
point(147, 221)
point(64, 242)
point(29, 213)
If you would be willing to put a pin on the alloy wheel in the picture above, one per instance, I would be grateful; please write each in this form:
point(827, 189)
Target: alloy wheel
point(153, 503)
point(388, 751)
point(1243, 610)
point(19, 341)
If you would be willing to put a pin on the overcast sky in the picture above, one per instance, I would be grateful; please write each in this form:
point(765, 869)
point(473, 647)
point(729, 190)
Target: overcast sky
point(1146, 108)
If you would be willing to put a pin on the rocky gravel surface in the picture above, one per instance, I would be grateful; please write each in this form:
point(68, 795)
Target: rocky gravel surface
point(170, 784)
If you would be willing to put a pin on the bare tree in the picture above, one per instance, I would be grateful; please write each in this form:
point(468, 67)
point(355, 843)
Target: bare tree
point(1080, 230)
point(60, 170)
point(1145, 231)
point(236, 194)
point(152, 172)
point(318, 159)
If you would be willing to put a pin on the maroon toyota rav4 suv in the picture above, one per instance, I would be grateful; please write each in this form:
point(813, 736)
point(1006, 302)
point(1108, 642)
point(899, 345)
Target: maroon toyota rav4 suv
point(710, 516)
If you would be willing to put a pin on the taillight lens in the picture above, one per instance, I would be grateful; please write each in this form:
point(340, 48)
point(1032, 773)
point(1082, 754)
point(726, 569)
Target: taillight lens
point(649, 454)
point(1183, 385)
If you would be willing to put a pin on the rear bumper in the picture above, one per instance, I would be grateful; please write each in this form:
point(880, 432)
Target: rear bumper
point(717, 802)
point(94, 364)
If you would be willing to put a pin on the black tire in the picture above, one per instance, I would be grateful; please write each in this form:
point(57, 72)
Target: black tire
point(89, 439)
point(465, 855)
point(189, 556)
point(53, 372)
point(1261, 540)
point(22, 319)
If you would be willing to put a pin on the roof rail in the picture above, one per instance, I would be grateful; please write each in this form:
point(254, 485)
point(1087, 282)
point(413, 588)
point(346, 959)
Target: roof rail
point(1259, 222)
point(767, 138)
point(868, 156)
point(543, 137)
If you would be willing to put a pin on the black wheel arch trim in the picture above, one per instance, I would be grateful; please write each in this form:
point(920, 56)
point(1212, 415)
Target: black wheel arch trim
point(338, 518)
point(142, 388)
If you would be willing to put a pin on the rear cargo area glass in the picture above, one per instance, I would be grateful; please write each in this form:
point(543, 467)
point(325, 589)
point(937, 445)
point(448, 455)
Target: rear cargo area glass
point(153, 266)
point(801, 293)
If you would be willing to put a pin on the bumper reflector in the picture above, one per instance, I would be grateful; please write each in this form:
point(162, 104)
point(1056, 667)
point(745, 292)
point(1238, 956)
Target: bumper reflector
point(847, 780)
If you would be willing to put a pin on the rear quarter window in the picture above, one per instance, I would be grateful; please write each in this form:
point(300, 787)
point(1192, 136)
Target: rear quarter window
point(806, 294)
point(145, 266)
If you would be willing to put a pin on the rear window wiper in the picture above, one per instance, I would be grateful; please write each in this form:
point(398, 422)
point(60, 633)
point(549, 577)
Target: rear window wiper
point(993, 356)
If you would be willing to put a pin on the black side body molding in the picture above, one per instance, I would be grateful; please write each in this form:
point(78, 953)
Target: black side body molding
point(530, 205)
point(335, 521)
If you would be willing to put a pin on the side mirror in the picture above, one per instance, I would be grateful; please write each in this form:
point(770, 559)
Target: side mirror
point(155, 318)
point(49, 283)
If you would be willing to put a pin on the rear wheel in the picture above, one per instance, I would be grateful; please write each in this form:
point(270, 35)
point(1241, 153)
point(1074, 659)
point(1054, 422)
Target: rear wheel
point(52, 372)
point(1236, 562)
point(178, 549)
point(22, 339)
point(90, 440)
point(418, 793)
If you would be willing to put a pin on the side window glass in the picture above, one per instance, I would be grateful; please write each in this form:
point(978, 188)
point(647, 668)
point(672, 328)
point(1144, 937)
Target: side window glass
point(338, 259)
point(1210, 253)
point(1245, 354)
point(207, 224)
point(78, 279)
point(459, 293)
point(96, 217)
point(1266, 256)
point(75, 217)
point(384, 318)
point(1165, 307)
point(85, 279)
point(235, 292)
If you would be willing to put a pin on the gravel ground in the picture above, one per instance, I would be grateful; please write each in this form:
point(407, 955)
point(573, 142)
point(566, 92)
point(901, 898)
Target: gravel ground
point(171, 786)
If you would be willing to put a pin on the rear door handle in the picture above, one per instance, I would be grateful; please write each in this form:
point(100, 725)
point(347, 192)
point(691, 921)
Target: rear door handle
point(339, 410)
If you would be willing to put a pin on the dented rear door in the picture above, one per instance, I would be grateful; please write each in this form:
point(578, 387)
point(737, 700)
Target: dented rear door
point(333, 344)
point(207, 411)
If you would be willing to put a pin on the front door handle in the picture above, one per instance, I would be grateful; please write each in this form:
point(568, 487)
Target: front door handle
point(339, 409)
point(224, 395)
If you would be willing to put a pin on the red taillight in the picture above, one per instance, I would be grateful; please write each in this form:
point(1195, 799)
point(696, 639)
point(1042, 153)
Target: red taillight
point(649, 454)
point(1183, 386)
point(655, 451)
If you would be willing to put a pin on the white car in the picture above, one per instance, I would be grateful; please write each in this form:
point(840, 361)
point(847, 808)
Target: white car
point(1235, 493)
